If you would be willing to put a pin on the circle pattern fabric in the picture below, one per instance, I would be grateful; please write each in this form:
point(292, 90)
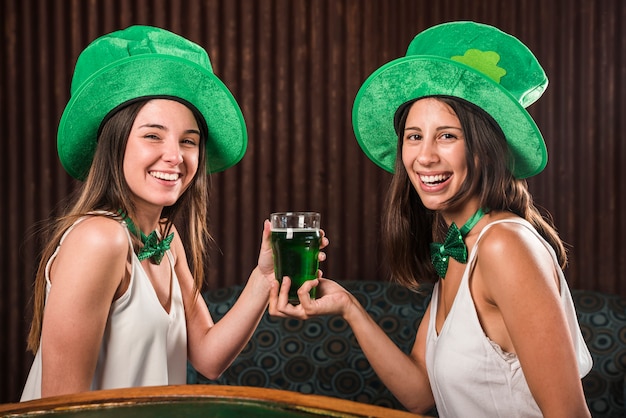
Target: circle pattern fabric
point(320, 355)
point(602, 319)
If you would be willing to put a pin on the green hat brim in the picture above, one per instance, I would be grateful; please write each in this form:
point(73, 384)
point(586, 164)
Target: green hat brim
point(412, 77)
point(150, 75)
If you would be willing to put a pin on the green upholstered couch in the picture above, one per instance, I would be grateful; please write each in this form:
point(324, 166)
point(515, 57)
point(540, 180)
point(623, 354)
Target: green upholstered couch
point(321, 355)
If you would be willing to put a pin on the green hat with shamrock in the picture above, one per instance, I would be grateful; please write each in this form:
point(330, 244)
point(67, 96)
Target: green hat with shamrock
point(147, 62)
point(472, 61)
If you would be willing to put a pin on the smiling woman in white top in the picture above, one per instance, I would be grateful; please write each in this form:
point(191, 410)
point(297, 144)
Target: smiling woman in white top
point(500, 337)
point(116, 302)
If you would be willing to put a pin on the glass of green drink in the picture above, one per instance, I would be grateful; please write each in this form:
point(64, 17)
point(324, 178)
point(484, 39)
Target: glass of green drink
point(296, 242)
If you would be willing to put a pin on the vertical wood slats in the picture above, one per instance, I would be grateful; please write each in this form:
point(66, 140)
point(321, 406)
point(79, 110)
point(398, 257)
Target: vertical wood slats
point(295, 67)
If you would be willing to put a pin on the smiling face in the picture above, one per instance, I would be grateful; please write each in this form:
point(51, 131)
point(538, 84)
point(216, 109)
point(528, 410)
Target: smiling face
point(433, 152)
point(162, 153)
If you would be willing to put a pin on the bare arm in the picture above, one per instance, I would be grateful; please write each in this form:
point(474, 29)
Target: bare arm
point(524, 288)
point(404, 375)
point(88, 269)
point(214, 346)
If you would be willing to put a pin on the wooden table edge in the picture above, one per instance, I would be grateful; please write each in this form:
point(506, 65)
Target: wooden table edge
point(177, 393)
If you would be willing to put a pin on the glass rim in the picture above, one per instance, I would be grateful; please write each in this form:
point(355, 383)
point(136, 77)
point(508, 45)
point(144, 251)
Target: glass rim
point(295, 220)
point(295, 213)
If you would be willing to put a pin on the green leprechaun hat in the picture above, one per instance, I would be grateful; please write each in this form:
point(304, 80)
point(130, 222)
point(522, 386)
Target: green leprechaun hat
point(143, 62)
point(475, 62)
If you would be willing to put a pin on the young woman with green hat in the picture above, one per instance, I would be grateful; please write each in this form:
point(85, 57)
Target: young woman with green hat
point(116, 303)
point(500, 337)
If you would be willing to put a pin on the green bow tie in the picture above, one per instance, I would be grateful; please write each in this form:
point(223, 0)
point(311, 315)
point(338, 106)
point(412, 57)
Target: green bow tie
point(453, 246)
point(152, 247)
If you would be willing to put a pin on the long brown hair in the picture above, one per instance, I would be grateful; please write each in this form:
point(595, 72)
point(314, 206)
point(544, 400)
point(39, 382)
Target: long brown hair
point(105, 189)
point(409, 227)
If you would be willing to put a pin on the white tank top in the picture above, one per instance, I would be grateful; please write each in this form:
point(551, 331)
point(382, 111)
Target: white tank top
point(142, 345)
point(470, 375)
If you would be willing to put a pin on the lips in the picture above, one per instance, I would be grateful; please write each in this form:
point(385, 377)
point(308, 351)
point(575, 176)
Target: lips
point(165, 176)
point(433, 180)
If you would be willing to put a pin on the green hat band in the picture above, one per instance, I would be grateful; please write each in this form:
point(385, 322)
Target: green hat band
point(138, 62)
point(471, 61)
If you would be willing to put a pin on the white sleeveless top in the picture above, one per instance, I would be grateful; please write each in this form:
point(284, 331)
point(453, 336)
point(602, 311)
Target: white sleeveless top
point(470, 375)
point(142, 344)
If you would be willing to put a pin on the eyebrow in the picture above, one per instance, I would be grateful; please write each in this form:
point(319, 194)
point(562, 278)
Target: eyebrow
point(164, 128)
point(439, 128)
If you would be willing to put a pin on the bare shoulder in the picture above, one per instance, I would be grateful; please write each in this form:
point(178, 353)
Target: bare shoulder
point(509, 239)
point(99, 235)
point(92, 257)
point(511, 255)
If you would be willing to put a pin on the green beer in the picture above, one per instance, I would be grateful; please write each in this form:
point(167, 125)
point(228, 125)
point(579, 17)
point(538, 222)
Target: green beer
point(295, 255)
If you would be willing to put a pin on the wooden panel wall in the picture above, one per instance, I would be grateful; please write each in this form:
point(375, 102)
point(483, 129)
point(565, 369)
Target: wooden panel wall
point(295, 67)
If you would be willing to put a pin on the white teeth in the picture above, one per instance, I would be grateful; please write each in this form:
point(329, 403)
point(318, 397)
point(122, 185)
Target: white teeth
point(164, 176)
point(434, 179)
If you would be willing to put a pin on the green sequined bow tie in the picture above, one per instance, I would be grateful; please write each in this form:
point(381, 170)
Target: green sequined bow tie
point(153, 248)
point(453, 246)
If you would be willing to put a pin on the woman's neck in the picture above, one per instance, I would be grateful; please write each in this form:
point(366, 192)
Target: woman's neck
point(146, 222)
point(460, 215)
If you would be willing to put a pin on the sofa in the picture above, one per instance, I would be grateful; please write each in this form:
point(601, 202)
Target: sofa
point(602, 319)
point(321, 355)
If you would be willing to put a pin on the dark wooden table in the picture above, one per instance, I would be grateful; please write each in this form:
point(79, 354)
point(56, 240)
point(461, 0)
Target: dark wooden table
point(190, 401)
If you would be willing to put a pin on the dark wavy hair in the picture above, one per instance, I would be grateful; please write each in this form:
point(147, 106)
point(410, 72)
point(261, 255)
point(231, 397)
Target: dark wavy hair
point(408, 227)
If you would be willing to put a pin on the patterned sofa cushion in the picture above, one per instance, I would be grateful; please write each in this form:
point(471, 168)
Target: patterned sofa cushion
point(602, 319)
point(321, 355)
